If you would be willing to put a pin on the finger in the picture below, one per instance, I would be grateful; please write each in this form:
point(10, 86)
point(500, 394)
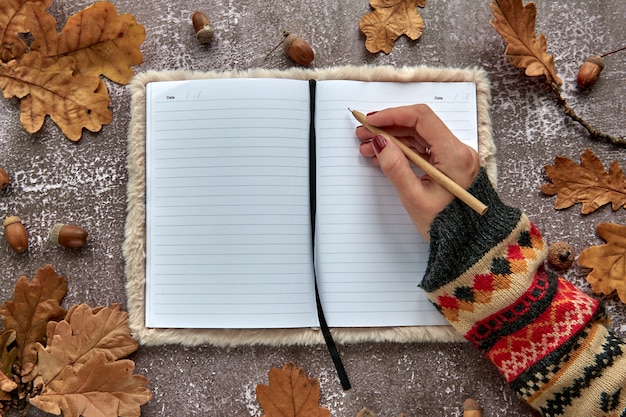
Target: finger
point(366, 149)
point(419, 146)
point(396, 168)
point(429, 130)
point(364, 134)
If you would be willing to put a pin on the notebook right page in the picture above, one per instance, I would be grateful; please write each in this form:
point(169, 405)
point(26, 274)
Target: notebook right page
point(369, 257)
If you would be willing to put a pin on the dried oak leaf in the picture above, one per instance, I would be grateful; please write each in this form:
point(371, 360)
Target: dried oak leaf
point(608, 261)
point(290, 393)
point(101, 41)
point(15, 19)
point(48, 86)
point(59, 74)
point(390, 20)
point(83, 333)
point(34, 304)
point(98, 387)
point(516, 24)
point(8, 354)
point(588, 183)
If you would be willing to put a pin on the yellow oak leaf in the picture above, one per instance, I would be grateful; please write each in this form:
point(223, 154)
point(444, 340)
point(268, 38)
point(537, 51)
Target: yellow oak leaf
point(608, 261)
point(102, 42)
point(34, 304)
point(390, 20)
point(290, 393)
point(83, 333)
point(43, 28)
point(516, 24)
point(588, 183)
point(47, 86)
point(57, 74)
point(96, 388)
point(16, 18)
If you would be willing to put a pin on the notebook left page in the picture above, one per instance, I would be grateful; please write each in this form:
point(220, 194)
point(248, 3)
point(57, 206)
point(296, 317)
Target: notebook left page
point(228, 231)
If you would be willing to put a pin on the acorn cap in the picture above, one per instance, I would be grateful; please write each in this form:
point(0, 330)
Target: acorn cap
point(596, 59)
point(54, 232)
point(10, 220)
point(561, 255)
point(205, 35)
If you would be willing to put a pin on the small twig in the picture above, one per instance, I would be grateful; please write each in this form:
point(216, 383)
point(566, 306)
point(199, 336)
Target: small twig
point(285, 34)
point(595, 133)
point(612, 52)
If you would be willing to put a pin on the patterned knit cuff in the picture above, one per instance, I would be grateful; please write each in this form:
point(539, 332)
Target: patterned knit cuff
point(459, 236)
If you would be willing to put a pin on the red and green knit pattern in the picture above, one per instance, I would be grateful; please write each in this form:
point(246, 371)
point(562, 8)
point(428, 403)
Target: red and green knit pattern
point(547, 338)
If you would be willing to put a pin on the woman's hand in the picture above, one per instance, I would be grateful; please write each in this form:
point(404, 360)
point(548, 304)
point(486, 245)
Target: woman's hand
point(421, 129)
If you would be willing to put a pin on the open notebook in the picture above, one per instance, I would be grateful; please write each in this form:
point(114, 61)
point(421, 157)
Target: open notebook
point(229, 194)
point(233, 174)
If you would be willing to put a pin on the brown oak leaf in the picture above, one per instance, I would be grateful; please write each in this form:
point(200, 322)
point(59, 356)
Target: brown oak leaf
point(49, 86)
point(43, 29)
point(588, 183)
point(8, 354)
point(16, 18)
point(101, 41)
point(83, 333)
point(34, 304)
point(516, 24)
point(608, 261)
point(59, 74)
point(290, 393)
point(96, 388)
point(390, 20)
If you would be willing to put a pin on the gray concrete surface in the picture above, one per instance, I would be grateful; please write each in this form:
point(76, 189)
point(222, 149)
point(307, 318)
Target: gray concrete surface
point(85, 183)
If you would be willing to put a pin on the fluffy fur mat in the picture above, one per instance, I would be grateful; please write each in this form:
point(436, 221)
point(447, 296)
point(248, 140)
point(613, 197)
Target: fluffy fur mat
point(134, 248)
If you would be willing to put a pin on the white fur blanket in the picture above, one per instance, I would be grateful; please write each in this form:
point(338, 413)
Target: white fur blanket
point(135, 230)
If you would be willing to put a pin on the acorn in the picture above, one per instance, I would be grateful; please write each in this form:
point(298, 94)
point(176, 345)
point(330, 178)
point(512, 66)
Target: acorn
point(561, 255)
point(298, 49)
point(15, 234)
point(202, 27)
point(4, 179)
point(589, 71)
point(68, 235)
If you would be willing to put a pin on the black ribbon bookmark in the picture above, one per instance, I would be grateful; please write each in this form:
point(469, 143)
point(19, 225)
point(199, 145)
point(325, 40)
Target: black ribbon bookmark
point(328, 337)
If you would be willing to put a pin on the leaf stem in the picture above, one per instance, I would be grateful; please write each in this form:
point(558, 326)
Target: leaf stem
point(595, 133)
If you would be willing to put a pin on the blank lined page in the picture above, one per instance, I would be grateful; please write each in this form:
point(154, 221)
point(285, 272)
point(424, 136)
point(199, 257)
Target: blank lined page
point(228, 223)
point(370, 258)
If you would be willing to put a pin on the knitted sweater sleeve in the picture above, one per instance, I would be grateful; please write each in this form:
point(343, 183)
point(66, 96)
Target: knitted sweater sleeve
point(547, 338)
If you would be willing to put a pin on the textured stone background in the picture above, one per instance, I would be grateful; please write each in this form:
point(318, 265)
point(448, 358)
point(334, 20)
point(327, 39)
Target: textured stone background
point(85, 183)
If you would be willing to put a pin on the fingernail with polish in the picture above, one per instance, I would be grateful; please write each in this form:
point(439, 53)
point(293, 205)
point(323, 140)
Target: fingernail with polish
point(372, 112)
point(379, 143)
